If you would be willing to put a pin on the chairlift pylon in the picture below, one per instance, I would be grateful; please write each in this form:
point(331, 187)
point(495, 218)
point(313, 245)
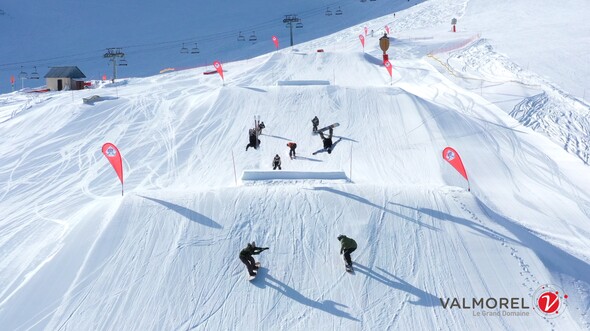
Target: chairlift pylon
point(183, 50)
point(338, 11)
point(195, 50)
point(328, 12)
point(34, 74)
point(240, 37)
point(252, 37)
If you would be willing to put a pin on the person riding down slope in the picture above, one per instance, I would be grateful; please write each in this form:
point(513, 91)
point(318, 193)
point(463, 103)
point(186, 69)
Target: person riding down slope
point(248, 260)
point(347, 246)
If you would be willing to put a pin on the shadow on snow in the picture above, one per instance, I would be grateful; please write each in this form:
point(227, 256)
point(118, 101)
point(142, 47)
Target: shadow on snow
point(424, 298)
point(188, 213)
point(367, 202)
point(484, 230)
point(264, 279)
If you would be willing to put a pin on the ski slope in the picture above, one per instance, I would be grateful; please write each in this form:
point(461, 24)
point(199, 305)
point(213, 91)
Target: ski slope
point(76, 255)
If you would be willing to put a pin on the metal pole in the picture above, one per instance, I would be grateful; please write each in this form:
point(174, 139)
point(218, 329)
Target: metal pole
point(114, 69)
point(350, 172)
point(234, 162)
point(291, 32)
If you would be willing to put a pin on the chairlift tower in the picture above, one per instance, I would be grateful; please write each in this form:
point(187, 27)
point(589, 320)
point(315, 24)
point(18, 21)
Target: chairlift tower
point(22, 75)
point(289, 20)
point(113, 54)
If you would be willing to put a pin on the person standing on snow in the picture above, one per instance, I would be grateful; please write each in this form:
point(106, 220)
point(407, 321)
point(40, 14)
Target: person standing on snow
point(315, 122)
point(276, 162)
point(347, 246)
point(248, 260)
point(292, 147)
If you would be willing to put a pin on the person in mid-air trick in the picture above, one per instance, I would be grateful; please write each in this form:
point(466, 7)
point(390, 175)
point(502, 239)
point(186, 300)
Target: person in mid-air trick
point(327, 141)
point(253, 139)
point(248, 260)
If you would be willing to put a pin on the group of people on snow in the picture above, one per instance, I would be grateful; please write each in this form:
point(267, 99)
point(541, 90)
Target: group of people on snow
point(347, 246)
point(254, 142)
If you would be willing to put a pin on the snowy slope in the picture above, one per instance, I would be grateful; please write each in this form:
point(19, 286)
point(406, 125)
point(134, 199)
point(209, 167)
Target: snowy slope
point(78, 256)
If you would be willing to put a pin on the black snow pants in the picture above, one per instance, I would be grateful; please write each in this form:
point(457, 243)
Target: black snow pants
point(347, 255)
point(249, 262)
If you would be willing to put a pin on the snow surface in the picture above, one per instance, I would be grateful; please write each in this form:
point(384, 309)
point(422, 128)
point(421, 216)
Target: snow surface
point(76, 255)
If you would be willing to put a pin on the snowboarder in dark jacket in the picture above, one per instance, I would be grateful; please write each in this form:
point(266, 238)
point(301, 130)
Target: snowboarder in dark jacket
point(315, 122)
point(347, 246)
point(276, 162)
point(292, 147)
point(327, 141)
point(254, 141)
point(248, 260)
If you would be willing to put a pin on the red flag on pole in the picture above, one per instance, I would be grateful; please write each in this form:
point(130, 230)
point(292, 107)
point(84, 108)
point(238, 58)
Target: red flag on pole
point(387, 29)
point(362, 38)
point(276, 41)
point(219, 68)
point(389, 67)
point(451, 156)
point(112, 154)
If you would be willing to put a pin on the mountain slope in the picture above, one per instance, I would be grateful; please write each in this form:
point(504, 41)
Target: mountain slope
point(77, 255)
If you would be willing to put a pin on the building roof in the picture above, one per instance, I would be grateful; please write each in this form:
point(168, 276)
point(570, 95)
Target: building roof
point(64, 72)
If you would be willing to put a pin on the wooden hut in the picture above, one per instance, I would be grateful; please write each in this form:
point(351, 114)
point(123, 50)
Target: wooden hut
point(64, 78)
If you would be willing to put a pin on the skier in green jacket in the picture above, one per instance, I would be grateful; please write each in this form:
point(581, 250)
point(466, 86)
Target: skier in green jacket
point(347, 246)
point(248, 260)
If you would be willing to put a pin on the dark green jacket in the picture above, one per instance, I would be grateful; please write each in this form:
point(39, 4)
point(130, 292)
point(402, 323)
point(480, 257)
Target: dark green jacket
point(252, 250)
point(347, 243)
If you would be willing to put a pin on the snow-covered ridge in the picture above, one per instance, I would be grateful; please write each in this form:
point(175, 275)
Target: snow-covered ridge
point(76, 255)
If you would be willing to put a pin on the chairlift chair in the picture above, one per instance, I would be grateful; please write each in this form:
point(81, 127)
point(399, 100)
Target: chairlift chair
point(338, 11)
point(252, 37)
point(183, 50)
point(240, 37)
point(195, 50)
point(34, 74)
point(123, 62)
point(299, 25)
point(328, 12)
point(22, 74)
